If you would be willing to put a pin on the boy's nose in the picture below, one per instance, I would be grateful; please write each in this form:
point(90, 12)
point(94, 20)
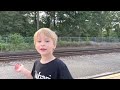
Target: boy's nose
point(42, 43)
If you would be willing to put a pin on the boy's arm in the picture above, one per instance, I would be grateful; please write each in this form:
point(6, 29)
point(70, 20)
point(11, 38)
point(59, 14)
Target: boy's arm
point(65, 73)
point(23, 70)
point(27, 73)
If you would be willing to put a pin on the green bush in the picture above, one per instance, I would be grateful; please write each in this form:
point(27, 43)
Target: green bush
point(4, 47)
point(25, 46)
point(1, 41)
point(15, 39)
point(72, 44)
point(15, 42)
point(20, 47)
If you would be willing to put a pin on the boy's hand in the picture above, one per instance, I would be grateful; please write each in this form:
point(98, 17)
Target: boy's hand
point(18, 67)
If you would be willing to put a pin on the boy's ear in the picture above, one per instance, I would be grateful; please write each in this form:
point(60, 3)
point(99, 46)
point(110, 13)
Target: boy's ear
point(54, 47)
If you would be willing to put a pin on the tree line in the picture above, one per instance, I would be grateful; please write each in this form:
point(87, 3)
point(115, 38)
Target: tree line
point(64, 23)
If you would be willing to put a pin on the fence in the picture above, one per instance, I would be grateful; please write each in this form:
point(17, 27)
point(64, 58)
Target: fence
point(94, 39)
point(71, 39)
point(27, 42)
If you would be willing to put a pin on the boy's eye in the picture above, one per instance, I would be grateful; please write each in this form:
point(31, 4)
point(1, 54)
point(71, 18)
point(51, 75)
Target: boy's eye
point(46, 41)
point(39, 41)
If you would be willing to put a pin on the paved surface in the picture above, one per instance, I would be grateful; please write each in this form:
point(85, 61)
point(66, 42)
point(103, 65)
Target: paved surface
point(79, 66)
point(114, 76)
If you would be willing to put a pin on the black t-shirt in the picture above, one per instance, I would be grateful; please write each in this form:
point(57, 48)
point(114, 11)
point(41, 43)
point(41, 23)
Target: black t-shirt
point(56, 69)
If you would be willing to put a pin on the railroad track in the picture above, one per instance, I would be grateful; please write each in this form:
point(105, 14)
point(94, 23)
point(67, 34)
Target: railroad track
point(9, 56)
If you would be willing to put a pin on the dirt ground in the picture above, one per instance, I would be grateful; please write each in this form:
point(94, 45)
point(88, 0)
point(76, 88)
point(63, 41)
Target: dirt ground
point(79, 66)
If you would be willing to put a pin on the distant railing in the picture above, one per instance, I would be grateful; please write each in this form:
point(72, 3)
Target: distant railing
point(94, 39)
point(71, 39)
point(27, 42)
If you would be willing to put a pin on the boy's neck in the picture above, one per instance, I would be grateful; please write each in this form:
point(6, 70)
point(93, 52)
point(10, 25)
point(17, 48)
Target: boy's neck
point(46, 59)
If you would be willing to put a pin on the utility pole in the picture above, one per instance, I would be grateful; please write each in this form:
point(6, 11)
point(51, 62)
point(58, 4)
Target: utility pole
point(37, 20)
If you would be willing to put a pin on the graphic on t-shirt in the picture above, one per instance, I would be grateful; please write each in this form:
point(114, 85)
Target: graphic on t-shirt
point(39, 76)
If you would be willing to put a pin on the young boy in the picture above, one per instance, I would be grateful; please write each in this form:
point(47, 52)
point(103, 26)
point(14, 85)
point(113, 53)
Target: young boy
point(48, 67)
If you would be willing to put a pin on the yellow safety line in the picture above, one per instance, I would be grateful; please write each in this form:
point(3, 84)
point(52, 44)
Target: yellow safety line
point(113, 76)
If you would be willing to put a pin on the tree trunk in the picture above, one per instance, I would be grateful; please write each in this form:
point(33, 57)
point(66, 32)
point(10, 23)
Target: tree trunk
point(37, 20)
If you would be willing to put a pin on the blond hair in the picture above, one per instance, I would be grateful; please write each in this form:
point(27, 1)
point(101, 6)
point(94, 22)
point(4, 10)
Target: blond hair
point(47, 32)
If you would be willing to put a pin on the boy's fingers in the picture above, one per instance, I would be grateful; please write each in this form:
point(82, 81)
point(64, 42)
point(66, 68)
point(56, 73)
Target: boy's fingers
point(17, 66)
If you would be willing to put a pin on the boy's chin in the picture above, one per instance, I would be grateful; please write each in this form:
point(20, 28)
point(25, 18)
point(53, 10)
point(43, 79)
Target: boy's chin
point(43, 53)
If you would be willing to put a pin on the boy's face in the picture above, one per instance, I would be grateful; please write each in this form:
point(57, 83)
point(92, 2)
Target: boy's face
point(44, 45)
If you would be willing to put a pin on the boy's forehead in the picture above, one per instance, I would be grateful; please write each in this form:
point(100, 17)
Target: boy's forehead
point(43, 34)
point(39, 36)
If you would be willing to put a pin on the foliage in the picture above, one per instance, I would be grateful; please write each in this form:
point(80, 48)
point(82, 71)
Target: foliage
point(15, 39)
point(64, 23)
point(72, 44)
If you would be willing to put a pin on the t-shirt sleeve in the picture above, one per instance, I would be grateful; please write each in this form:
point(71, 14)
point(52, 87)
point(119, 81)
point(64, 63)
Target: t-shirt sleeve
point(33, 70)
point(64, 72)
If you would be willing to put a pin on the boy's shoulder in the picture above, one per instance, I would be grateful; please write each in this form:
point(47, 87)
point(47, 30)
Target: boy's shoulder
point(37, 61)
point(56, 61)
point(59, 62)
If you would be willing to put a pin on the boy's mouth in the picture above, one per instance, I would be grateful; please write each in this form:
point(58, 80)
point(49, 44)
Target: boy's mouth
point(43, 49)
